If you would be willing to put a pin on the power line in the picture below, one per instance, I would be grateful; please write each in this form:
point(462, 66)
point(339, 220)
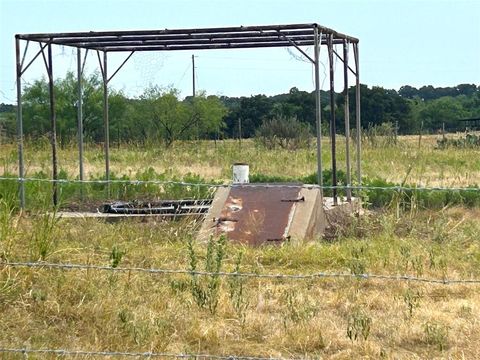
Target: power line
point(2, 93)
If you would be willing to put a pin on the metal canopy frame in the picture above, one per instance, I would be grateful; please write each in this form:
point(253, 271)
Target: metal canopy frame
point(242, 37)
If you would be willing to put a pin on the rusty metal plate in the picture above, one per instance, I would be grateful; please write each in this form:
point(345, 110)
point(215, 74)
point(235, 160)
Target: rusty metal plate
point(258, 215)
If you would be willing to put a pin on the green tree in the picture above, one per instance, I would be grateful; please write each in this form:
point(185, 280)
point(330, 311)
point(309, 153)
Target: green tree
point(167, 118)
point(36, 108)
point(446, 110)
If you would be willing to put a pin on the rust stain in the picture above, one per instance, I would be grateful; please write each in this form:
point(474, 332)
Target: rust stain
point(257, 215)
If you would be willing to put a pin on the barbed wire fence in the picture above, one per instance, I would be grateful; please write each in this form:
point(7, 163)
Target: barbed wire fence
point(147, 354)
point(262, 185)
point(278, 276)
point(248, 275)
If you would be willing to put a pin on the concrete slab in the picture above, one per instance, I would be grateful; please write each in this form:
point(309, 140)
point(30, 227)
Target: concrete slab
point(309, 218)
point(306, 220)
point(209, 224)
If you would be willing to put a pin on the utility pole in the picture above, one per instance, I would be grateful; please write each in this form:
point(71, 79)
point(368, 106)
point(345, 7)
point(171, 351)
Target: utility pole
point(193, 75)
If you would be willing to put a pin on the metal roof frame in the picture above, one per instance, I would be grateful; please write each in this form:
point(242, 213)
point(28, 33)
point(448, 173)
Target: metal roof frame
point(194, 39)
point(240, 37)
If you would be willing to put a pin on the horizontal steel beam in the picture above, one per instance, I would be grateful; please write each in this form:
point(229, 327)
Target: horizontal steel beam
point(171, 31)
point(206, 47)
point(71, 40)
point(195, 41)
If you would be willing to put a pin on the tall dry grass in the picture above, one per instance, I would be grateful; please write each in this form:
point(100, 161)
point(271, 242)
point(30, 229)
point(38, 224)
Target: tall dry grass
point(322, 318)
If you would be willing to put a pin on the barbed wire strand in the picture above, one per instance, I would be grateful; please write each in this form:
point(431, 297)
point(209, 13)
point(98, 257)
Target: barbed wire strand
point(148, 354)
point(279, 276)
point(272, 185)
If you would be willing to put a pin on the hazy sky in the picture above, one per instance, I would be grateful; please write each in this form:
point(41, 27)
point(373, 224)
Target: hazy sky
point(414, 42)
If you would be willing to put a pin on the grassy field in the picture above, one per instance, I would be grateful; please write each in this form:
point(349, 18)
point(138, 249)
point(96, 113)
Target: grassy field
point(423, 163)
point(337, 318)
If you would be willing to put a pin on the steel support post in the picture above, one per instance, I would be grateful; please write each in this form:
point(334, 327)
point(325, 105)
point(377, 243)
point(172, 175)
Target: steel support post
point(80, 117)
point(357, 114)
point(21, 184)
point(53, 124)
point(347, 119)
point(332, 119)
point(105, 122)
point(318, 113)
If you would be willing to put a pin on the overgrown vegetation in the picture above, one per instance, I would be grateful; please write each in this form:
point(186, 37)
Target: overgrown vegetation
point(192, 313)
point(428, 234)
point(205, 289)
point(286, 133)
point(469, 141)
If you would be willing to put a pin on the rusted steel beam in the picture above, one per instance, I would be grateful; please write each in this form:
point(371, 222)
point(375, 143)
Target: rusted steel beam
point(72, 40)
point(24, 54)
point(80, 116)
point(332, 122)
point(121, 65)
point(358, 114)
point(100, 64)
point(318, 112)
point(207, 47)
point(206, 41)
point(250, 30)
point(53, 122)
point(180, 31)
point(21, 185)
point(294, 44)
point(84, 61)
point(342, 59)
point(23, 69)
point(346, 112)
point(105, 123)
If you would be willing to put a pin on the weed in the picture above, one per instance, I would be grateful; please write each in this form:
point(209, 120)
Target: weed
point(417, 264)
point(357, 262)
point(38, 295)
point(116, 256)
point(42, 238)
point(205, 289)
point(297, 310)
point(124, 317)
point(359, 324)
point(436, 334)
point(405, 251)
point(8, 228)
point(178, 286)
point(8, 287)
point(411, 299)
point(238, 296)
point(469, 141)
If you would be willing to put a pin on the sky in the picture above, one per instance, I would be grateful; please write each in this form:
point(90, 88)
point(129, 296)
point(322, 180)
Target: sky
point(405, 42)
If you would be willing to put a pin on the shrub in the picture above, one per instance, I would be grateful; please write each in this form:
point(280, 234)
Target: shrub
point(359, 324)
point(381, 135)
point(469, 141)
point(436, 334)
point(287, 133)
point(206, 289)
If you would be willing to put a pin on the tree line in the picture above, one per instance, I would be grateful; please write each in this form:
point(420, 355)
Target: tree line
point(160, 115)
